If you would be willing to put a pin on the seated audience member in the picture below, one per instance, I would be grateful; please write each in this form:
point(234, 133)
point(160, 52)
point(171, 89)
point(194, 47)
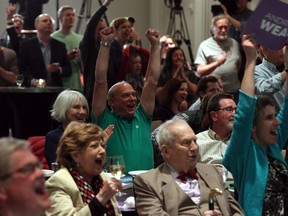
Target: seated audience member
point(66, 17)
point(172, 100)
point(80, 186)
point(22, 189)
point(133, 67)
point(175, 66)
point(166, 190)
point(196, 119)
point(89, 47)
point(166, 43)
point(219, 56)
point(43, 57)
point(69, 106)
point(13, 38)
point(213, 142)
point(206, 85)
point(270, 75)
point(131, 137)
point(253, 154)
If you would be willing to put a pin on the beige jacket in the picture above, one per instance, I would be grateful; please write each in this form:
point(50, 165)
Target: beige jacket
point(66, 198)
point(157, 193)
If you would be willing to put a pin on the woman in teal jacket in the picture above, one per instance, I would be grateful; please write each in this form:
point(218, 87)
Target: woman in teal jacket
point(255, 160)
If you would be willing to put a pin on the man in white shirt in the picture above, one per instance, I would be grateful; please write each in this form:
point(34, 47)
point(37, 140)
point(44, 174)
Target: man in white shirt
point(213, 142)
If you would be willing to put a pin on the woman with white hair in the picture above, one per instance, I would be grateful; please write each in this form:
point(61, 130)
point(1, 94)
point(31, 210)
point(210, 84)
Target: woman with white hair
point(69, 106)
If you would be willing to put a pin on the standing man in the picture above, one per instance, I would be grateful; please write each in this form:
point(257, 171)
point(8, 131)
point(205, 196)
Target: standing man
point(22, 189)
point(170, 190)
point(66, 16)
point(43, 57)
point(238, 18)
point(219, 56)
point(89, 48)
point(132, 133)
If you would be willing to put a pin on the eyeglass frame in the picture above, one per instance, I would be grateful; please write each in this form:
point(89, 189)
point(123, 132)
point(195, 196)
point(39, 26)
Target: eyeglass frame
point(228, 110)
point(26, 170)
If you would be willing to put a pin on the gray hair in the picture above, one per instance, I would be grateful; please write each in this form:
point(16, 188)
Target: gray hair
point(167, 133)
point(215, 19)
point(41, 15)
point(112, 90)
point(65, 100)
point(8, 146)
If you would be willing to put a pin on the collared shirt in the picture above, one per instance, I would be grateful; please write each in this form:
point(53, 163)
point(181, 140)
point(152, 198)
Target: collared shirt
point(46, 52)
point(191, 187)
point(211, 147)
point(268, 81)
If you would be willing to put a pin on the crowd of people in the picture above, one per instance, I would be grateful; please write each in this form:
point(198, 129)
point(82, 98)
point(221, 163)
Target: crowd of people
point(229, 114)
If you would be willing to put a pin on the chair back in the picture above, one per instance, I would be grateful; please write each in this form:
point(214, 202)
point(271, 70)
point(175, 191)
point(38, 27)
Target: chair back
point(37, 144)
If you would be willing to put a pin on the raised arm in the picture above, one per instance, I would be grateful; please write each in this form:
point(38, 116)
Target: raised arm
point(247, 84)
point(100, 85)
point(153, 73)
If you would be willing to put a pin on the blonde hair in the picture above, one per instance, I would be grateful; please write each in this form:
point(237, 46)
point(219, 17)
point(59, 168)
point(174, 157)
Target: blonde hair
point(76, 137)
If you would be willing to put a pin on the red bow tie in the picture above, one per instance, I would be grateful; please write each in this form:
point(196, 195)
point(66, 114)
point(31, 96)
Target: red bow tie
point(191, 174)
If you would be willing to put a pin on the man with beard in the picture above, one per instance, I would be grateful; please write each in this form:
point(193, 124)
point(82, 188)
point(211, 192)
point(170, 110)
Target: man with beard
point(132, 122)
point(213, 142)
point(219, 56)
point(22, 189)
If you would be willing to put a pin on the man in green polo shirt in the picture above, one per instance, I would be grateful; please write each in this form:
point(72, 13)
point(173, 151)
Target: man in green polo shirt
point(132, 134)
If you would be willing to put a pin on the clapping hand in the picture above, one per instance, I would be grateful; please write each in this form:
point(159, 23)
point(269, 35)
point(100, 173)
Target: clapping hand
point(108, 132)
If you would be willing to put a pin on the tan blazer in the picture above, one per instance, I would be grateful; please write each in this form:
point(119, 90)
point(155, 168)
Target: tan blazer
point(66, 198)
point(157, 193)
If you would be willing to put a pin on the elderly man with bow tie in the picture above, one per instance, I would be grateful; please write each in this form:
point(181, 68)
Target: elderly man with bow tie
point(181, 186)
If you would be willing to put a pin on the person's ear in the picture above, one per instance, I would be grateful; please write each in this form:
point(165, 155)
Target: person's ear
point(164, 150)
point(202, 94)
point(213, 115)
point(111, 103)
point(75, 156)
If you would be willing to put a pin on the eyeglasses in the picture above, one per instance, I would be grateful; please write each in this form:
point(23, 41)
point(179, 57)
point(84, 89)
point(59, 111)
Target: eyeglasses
point(26, 170)
point(229, 110)
point(222, 27)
